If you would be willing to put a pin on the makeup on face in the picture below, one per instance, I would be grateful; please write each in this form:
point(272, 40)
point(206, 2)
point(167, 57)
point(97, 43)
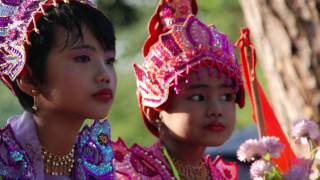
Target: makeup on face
point(215, 126)
point(103, 95)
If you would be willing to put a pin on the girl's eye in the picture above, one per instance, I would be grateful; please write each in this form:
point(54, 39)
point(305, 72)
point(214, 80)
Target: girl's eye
point(110, 61)
point(228, 97)
point(82, 59)
point(197, 97)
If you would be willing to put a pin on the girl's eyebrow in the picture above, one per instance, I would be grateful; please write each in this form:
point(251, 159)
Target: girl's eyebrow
point(110, 53)
point(225, 85)
point(83, 46)
point(197, 86)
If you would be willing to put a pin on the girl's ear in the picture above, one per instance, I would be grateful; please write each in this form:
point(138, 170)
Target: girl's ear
point(26, 84)
point(151, 114)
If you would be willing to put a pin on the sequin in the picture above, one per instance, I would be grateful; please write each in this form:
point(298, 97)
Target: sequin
point(17, 165)
point(169, 43)
point(149, 163)
point(3, 31)
point(93, 157)
point(12, 2)
point(94, 152)
point(187, 46)
point(4, 21)
point(103, 139)
point(7, 10)
point(17, 156)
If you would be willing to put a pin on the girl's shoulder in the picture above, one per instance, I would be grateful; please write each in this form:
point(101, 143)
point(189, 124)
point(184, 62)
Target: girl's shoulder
point(221, 169)
point(15, 163)
point(139, 161)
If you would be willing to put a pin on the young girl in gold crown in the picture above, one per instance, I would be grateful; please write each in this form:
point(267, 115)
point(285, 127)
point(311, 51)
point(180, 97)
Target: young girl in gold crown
point(57, 58)
point(188, 86)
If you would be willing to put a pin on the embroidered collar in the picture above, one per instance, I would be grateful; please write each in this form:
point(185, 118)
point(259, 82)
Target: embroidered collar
point(20, 152)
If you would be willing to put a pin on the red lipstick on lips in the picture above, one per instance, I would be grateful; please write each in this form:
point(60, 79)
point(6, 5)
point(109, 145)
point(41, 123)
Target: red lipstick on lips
point(216, 127)
point(104, 95)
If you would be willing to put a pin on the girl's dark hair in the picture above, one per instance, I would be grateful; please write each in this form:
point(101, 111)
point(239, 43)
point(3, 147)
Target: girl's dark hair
point(71, 17)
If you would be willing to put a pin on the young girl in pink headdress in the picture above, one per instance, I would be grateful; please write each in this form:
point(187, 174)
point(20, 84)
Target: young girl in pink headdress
point(188, 86)
point(57, 58)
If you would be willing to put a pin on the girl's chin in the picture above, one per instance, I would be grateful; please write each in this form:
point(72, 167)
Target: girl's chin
point(99, 116)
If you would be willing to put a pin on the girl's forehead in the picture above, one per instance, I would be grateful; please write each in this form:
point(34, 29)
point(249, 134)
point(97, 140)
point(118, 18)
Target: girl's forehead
point(206, 76)
point(69, 40)
point(65, 38)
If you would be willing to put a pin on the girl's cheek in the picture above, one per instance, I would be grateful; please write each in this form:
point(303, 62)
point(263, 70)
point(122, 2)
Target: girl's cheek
point(69, 74)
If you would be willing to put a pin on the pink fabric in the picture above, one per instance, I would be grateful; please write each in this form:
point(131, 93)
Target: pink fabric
point(149, 164)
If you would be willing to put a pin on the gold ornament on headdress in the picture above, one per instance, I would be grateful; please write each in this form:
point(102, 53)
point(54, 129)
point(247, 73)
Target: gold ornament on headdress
point(20, 19)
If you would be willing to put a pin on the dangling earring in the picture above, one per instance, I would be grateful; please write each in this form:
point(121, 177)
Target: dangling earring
point(159, 125)
point(35, 107)
point(158, 122)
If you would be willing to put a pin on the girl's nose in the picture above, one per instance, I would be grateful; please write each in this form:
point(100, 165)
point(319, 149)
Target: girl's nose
point(214, 110)
point(103, 77)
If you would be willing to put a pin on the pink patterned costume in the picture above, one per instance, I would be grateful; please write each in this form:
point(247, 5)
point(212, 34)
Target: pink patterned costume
point(178, 44)
point(150, 164)
point(21, 158)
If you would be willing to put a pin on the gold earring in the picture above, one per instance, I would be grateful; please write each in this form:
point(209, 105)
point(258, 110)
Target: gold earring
point(160, 126)
point(158, 123)
point(35, 107)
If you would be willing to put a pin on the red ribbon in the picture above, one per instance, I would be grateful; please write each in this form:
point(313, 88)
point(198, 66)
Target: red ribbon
point(270, 121)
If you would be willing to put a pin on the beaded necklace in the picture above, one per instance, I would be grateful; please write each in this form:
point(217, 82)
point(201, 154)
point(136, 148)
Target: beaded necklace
point(58, 165)
point(200, 170)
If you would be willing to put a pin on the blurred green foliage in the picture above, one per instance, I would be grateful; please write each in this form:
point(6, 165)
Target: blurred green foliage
point(131, 19)
point(9, 105)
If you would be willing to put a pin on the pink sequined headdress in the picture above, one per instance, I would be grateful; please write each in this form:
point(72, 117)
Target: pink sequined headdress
point(178, 44)
point(17, 19)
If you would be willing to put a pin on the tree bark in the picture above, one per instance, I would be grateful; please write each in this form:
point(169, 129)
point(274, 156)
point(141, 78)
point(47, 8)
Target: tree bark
point(286, 34)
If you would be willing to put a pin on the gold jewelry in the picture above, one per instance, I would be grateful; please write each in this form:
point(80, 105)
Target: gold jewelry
point(35, 108)
point(160, 126)
point(158, 123)
point(58, 165)
point(191, 172)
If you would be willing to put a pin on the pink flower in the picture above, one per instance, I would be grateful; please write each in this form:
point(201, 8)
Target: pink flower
point(272, 146)
point(305, 128)
point(259, 168)
point(299, 171)
point(317, 156)
point(250, 150)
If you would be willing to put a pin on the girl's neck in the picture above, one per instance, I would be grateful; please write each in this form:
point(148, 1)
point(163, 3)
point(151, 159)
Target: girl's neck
point(57, 132)
point(183, 151)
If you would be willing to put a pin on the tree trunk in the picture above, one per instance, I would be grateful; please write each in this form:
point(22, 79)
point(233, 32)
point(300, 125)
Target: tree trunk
point(286, 34)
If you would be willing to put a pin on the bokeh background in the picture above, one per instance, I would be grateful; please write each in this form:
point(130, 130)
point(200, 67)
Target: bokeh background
point(130, 18)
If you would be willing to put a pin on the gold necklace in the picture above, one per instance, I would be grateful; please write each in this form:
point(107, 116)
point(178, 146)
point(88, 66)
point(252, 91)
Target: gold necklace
point(192, 172)
point(58, 165)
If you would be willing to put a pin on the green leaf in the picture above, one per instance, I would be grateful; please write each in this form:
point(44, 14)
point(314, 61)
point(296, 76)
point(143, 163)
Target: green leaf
point(267, 157)
point(274, 174)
